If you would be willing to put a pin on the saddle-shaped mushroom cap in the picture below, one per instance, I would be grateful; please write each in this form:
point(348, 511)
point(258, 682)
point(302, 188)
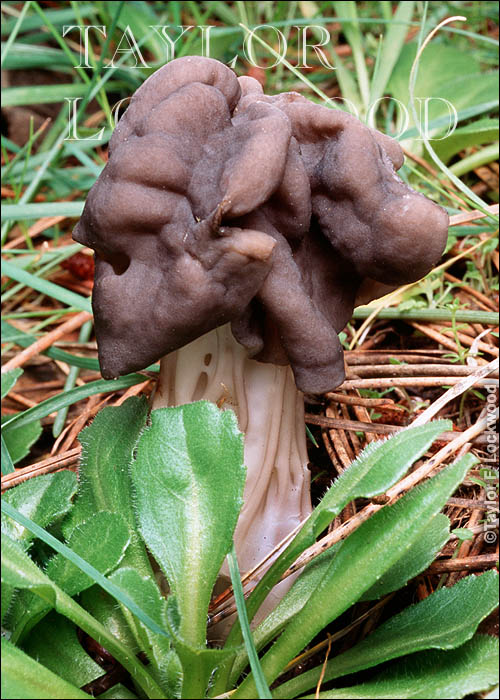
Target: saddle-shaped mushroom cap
point(221, 204)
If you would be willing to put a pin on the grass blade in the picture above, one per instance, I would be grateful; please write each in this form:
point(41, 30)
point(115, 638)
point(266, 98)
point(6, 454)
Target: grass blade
point(14, 33)
point(83, 565)
point(55, 403)
point(39, 210)
point(392, 44)
point(260, 681)
point(44, 94)
point(7, 464)
point(55, 291)
point(352, 31)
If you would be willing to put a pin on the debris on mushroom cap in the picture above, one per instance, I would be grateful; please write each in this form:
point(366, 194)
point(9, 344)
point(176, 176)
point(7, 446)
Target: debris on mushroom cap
point(221, 204)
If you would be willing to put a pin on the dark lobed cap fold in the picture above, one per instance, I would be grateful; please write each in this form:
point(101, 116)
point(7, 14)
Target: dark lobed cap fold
point(222, 204)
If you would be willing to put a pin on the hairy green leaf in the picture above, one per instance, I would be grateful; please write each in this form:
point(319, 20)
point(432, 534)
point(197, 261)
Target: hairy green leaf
point(20, 571)
point(445, 620)
point(18, 441)
point(44, 499)
point(9, 378)
point(376, 469)
point(418, 557)
point(101, 540)
point(105, 484)
point(197, 662)
point(188, 477)
point(54, 643)
point(23, 677)
point(432, 674)
point(372, 549)
point(146, 593)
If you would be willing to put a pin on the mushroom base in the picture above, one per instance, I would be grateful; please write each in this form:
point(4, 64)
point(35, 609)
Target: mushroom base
point(270, 412)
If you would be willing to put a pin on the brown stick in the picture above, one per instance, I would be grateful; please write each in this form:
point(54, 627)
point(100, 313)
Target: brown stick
point(432, 370)
point(358, 400)
point(471, 503)
point(389, 383)
point(483, 561)
point(368, 357)
point(381, 428)
point(46, 466)
point(470, 290)
point(435, 335)
point(466, 340)
point(459, 388)
point(19, 398)
point(47, 340)
point(473, 215)
point(34, 230)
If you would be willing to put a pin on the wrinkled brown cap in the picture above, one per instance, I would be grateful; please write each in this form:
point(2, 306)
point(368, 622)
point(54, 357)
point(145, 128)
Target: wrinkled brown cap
point(221, 204)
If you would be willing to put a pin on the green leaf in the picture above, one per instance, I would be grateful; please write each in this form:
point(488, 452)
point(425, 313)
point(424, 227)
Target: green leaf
point(9, 378)
point(439, 65)
point(139, 16)
point(376, 469)
point(19, 571)
point(107, 448)
point(102, 606)
point(23, 677)
point(474, 134)
point(415, 560)
point(392, 46)
point(145, 592)
point(445, 620)
point(463, 533)
point(7, 463)
point(188, 477)
point(118, 692)
point(432, 674)
point(54, 643)
point(102, 541)
point(293, 601)
point(447, 73)
point(57, 17)
point(198, 663)
point(352, 32)
point(372, 549)
point(44, 499)
point(75, 559)
point(19, 440)
point(22, 56)
point(418, 557)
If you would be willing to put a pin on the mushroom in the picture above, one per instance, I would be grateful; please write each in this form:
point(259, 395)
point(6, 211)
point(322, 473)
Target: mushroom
point(234, 232)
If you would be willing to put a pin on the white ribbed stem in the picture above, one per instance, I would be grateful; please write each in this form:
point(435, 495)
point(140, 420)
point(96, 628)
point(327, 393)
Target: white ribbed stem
point(270, 413)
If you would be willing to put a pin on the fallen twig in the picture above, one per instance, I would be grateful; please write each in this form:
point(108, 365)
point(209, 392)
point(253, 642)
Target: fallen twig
point(47, 340)
point(482, 561)
point(47, 466)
